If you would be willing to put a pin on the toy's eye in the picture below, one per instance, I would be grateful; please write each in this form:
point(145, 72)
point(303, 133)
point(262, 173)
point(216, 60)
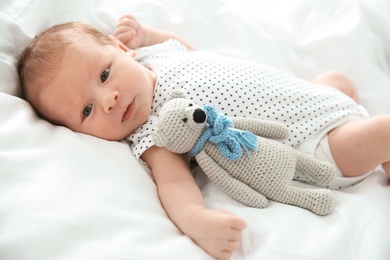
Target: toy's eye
point(190, 105)
point(185, 120)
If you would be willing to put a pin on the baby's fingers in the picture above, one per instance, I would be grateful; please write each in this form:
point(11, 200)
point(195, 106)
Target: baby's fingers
point(127, 17)
point(224, 255)
point(124, 33)
point(129, 31)
point(238, 224)
point(229, 249)
point(127, 22)
point(125, 25)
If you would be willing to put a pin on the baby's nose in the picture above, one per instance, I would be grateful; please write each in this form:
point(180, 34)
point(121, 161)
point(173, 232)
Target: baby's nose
point(110, 100)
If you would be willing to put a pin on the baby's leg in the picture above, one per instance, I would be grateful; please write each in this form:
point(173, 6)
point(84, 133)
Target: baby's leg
point(339, 81)
point(360, 146)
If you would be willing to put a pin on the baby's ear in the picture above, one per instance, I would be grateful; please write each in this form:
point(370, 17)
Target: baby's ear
point(120, 45)
point(176, 93)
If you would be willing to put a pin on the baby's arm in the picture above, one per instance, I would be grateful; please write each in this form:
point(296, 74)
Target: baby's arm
point(217, 232)
point(129, 31)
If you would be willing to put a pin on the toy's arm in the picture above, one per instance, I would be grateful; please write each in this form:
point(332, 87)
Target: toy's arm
point(233, 187)
point(264, 128)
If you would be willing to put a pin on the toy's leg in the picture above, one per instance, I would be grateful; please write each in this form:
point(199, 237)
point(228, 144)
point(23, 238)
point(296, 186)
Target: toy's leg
point(321, 172)
point(233, 187)
point(319, 201)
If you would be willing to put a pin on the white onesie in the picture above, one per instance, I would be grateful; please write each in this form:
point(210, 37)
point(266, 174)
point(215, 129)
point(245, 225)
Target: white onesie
point(240, 87)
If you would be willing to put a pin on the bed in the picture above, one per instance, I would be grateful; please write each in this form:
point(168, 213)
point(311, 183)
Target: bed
point(65, 195)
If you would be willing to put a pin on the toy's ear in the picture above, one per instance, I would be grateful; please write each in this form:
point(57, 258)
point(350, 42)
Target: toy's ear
point(176, 93)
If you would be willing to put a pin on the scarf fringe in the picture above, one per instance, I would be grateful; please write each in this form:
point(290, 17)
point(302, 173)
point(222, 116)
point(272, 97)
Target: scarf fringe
point(228, 140)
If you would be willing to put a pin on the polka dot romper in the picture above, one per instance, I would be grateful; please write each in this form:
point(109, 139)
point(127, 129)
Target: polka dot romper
point(239, 87)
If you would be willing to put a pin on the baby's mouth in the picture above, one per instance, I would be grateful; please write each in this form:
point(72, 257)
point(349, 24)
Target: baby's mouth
point(128, 113)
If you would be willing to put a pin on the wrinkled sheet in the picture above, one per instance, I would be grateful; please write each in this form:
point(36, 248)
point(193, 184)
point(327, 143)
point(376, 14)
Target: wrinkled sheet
point(65, 195)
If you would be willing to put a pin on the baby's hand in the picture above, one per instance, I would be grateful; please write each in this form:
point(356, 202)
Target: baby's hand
point(129, 31)
point(218, 232)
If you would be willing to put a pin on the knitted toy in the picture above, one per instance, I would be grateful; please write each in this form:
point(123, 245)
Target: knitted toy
point(248, 165)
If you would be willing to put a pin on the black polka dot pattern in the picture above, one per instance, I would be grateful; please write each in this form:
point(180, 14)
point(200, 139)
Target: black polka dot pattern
point(239, 87)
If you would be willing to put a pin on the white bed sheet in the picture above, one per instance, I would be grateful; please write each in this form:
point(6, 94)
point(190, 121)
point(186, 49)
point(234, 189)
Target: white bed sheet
point(65, 195)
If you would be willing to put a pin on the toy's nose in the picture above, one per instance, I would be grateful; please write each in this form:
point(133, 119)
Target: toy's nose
point(199, 116)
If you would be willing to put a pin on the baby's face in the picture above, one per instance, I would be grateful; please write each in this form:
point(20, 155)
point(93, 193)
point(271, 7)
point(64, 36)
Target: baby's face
point(100, 91)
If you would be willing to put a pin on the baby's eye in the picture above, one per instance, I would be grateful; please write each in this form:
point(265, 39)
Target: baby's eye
point(104, 75)
point(87, 110)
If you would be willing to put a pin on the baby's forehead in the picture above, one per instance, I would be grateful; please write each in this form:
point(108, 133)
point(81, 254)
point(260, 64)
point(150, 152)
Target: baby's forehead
point(57, 93)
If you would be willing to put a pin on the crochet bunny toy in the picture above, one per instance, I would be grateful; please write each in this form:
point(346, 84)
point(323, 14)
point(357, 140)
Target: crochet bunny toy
point(243, 161)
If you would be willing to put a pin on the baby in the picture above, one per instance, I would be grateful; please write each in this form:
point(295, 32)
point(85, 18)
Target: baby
point(114, 87)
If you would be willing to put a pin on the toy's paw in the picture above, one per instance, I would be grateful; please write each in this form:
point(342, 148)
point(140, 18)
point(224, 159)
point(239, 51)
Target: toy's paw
point(322, 203)
point(319, 201)
point(326, 174)
point(257, 201)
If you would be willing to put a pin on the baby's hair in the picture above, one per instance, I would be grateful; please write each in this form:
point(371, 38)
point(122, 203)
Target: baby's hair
point(42, 58)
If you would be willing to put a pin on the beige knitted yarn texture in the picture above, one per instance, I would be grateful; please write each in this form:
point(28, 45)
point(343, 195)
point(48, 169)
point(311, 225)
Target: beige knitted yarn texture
point(253, 180)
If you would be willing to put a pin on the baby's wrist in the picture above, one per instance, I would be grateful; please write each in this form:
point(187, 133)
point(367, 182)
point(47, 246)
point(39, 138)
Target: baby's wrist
point(191, 217)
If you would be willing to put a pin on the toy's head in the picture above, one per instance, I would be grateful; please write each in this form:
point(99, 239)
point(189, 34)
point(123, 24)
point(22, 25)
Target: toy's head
point(181, 123)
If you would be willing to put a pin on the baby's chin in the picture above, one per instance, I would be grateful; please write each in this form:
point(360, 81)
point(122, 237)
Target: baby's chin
point(116, 137)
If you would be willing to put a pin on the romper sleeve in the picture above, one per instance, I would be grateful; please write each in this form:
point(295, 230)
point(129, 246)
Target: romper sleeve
point(169, 46)
point(142, 138)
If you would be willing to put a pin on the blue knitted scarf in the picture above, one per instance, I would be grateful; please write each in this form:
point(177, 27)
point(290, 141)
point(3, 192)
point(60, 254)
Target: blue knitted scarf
point(229, 141)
